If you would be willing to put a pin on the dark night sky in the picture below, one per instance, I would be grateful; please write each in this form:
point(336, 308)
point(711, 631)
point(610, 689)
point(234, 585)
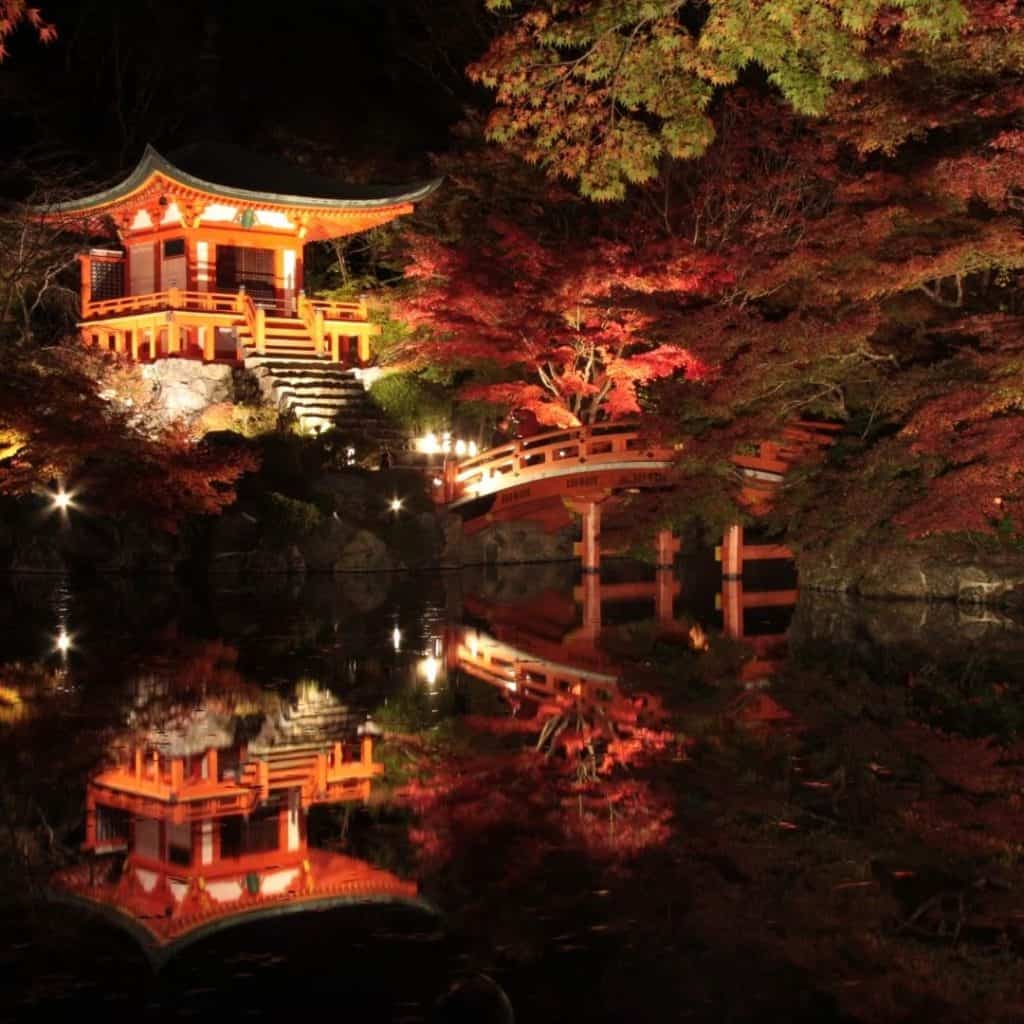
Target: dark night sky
point(357, 86)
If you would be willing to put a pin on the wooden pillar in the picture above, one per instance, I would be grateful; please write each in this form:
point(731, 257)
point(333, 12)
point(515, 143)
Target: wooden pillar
point(280, 301)
point(263, 770)
point(335, 350)
point(366, 750)
point(664, 594)
point(151, 335)
point(208, 338)
point(732, 607)
point(321, 773)
point(732, 553)
point(90, 818)
point(173, 335)
point(85, 264)
point(667, 549)
point(590, 550)
point(211, 765)
point(177, 773)
point(592, 605)
point(318, 331)
point(260, 330)
point(137, 762)
point(337, 755)
point(282, 822)
point(363, 349)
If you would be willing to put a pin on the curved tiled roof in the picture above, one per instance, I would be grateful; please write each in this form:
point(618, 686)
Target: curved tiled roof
point(232, 173)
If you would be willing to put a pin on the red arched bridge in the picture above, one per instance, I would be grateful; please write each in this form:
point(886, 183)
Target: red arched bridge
point(542, 477)
point(523, 478)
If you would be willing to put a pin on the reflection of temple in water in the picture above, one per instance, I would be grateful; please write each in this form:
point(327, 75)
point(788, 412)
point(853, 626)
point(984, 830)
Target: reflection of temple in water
point(204, 824)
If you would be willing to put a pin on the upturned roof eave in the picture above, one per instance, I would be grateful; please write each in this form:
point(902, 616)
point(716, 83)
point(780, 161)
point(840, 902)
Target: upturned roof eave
point(152, 163)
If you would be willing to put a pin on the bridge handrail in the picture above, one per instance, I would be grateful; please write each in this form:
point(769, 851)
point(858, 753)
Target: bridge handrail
point(525, 457)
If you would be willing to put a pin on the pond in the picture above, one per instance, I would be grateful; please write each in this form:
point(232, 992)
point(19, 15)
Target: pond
point(517, 790)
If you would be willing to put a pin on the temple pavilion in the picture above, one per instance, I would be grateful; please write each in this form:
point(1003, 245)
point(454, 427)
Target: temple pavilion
point(206, 257)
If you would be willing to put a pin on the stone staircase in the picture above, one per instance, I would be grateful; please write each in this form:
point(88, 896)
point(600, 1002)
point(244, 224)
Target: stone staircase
point(319, 393)
point(312, 722)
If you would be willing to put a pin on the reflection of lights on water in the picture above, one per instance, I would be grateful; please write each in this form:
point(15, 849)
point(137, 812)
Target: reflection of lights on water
point(437, 647)
point(396, 639)
point(430, 667)
point(698, 638)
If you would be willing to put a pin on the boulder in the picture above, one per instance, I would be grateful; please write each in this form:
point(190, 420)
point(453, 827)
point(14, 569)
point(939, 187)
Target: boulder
point(187, 386)
point(323, 546)
point(273, 560)
point(38, 555)
point(917, 573)
point(365, 552)
point(351, 495)
point(510, 543)
point(234, 530)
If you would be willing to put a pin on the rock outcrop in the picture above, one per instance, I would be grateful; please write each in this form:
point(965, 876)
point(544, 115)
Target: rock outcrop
point(918, 573)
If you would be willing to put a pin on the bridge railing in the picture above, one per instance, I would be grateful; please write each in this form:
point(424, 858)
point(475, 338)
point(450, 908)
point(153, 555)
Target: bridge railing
point(568, 450)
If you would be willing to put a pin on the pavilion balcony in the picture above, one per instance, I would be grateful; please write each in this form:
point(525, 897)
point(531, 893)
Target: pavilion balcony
point(223, 325)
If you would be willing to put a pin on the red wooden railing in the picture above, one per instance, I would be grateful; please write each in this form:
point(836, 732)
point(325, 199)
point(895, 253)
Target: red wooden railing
point(172, 298)
point(555, 453)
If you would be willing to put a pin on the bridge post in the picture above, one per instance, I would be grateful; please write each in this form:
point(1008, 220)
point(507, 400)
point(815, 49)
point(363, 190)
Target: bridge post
point(667, 549)
point(732, 553)
point(732, 607)
point(590, 550)
point(664, 595)
point(591, 606)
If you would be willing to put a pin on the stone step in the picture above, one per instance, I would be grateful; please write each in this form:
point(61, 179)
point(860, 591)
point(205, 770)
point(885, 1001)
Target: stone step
point(286, 345)
point(299, 360)
point(307, 381)
point(316, 389)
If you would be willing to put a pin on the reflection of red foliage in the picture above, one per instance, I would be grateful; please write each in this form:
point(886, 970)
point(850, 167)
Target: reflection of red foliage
point(539, 802)
point(756, 709)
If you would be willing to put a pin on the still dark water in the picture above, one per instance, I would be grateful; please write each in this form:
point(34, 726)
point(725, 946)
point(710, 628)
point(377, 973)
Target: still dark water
point(646, 797)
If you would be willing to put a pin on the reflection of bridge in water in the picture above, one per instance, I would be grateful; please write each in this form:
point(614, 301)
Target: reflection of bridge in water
point(545, 658)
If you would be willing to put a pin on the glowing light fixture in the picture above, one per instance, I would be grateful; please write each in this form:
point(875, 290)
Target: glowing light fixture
point(62, 500)
point(63, 642)
point(396, 639)
point(396, 504)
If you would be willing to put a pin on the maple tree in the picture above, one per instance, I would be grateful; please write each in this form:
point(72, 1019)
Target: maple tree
point(863, 210)
point(569, 326)
point(56, 426)
point(14, 13)
point(602, 90)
